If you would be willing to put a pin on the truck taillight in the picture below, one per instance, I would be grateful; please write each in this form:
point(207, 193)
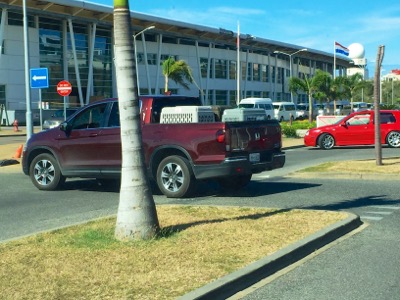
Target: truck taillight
point(221, 136)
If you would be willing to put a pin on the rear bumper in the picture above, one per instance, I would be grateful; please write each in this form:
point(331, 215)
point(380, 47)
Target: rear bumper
point(239, 166)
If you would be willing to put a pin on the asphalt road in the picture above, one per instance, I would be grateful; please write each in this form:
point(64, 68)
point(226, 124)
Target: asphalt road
point(364, 266)
point(25, 210)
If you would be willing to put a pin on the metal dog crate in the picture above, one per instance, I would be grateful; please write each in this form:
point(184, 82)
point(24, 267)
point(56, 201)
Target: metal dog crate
point(187, 114)
point(244, 114)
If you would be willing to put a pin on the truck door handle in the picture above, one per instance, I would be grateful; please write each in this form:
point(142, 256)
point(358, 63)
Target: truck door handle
point(93, 134)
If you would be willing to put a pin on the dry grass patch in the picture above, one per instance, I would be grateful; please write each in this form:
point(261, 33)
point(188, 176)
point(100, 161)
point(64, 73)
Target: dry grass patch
point(197, 245)
point(390, 166)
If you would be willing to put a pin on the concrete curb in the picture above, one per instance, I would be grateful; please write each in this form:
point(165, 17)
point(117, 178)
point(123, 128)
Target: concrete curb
point(340, 175)
point(235, 282)
point(10, 135)
point(293, 147)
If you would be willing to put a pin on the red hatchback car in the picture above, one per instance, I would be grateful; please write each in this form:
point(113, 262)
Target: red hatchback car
point(356, 129)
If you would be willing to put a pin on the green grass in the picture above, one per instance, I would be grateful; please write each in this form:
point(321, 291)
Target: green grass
point(389, 166)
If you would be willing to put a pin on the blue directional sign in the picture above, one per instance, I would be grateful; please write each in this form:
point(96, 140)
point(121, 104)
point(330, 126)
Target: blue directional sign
point(39, 78)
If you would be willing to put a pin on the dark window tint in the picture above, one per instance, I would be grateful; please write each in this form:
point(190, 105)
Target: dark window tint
point(114, 116)
point(387, 118)
point(90, 118)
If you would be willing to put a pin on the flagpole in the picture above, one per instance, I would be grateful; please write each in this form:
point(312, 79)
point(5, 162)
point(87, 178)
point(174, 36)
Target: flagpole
point(238, 64)
point(334, 59)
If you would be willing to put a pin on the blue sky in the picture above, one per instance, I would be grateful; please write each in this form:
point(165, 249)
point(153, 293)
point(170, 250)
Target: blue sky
point(310, 24)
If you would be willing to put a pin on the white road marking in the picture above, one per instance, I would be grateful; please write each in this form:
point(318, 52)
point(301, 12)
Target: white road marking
point(385, 213)
point(371, 218)
point(386, 207)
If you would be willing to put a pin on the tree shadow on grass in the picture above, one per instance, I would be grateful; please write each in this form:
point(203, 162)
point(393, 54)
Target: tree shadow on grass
point(171, 230)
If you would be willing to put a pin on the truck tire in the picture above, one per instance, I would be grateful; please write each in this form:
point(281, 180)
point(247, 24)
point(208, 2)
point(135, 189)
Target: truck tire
point(235, 182)
point(175, 177)
point(45, 172)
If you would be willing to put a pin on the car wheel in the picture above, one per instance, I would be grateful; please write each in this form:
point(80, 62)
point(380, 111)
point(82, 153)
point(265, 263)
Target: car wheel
point(235, 182)
point(326, 141)
point(175, 177)
point(281, 119)
point(45, 172)
point(393, 139)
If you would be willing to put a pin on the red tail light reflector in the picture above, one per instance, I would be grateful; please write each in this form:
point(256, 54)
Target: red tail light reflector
point(221, 136)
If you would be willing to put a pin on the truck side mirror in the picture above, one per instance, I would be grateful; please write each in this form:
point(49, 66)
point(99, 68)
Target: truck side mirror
point(64, 126)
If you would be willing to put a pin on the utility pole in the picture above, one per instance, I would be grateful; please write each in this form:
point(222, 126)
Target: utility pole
point(377, 101)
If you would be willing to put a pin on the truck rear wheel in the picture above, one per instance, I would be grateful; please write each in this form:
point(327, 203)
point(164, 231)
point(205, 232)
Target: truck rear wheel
point(175, 177)
point(45, 172)
point(235, 182)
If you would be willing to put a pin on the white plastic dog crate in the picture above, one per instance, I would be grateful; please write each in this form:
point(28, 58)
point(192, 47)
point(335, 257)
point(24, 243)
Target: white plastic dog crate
point(243, 114)
point(187, 114)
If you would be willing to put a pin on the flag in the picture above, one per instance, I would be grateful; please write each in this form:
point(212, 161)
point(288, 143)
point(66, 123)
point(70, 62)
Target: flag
point(341, 49)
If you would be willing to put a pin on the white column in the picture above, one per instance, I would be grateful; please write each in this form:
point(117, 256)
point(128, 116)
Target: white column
point(92, 39)
point(77, 74)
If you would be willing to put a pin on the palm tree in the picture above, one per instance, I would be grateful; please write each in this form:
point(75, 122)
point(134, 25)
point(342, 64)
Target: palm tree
point(354, 83)
point(334, 89)
point(178, 70)
point(310, 86)
point(137, 215)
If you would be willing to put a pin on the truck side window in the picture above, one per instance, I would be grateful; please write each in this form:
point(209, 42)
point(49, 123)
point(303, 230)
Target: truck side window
point(90, 118)
point(114, 116)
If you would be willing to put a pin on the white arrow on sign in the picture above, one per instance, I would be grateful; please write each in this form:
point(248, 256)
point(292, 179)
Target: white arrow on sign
point(39, 77)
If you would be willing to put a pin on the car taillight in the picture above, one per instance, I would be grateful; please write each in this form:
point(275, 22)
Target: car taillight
point(220, 136)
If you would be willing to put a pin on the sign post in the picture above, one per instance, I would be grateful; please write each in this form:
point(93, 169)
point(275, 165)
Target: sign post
point(39, 79)
point(64, 88)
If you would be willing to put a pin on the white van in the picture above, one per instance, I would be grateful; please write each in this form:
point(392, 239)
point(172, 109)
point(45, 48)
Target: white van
point(359, 106)
point(302, 111)
point(264, 103)
point(284, 111)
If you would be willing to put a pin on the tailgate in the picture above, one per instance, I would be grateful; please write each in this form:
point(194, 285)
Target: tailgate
point(253, 136)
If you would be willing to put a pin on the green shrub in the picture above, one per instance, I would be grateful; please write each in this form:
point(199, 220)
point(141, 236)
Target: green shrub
point(290, 130)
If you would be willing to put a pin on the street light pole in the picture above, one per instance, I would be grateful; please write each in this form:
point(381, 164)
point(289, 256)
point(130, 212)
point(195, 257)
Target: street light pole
point(134, 47)
point(290, 64)
point(28, 115)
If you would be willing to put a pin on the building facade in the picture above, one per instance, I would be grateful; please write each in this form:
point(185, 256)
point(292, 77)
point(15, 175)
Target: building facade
point(74, 41)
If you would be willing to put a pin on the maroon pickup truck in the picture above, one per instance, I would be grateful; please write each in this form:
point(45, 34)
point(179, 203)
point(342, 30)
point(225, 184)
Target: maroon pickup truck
point(88, 145)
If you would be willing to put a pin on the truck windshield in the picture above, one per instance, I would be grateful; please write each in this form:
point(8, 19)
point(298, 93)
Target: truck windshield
point(246, 105)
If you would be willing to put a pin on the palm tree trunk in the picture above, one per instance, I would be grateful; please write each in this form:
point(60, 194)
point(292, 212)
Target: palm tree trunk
point(310, 108)
point(166, 84)
point(137, 215)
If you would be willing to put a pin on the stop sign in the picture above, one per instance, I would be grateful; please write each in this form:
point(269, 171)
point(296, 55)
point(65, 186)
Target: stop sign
point(64, 88)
